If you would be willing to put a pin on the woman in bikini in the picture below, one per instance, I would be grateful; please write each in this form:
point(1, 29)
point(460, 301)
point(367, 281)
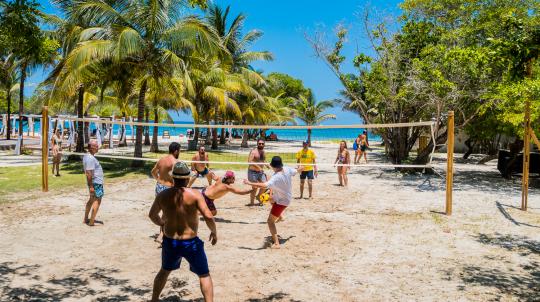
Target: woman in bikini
point(56, 143)
point(343, 158)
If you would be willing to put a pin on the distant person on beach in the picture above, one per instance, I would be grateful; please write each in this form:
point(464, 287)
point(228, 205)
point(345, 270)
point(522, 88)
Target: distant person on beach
point(180, 222)
point(356, 148)
point(94, 180)
point(281, 186)
point(200, 169)
point(56, 150)
point(307, 156)
point(256, 171)
point(219, 189)
point(365, 133)
point(161, 173)
point(343, 158)
point(363, 146)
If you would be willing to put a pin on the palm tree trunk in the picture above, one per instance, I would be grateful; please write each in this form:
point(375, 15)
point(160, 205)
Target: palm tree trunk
point(80, 125)
point(214, 130)
point(147, 129)
point(244, 139)
point(8, 115)
point(222, 138)
point(309, 136)
point(155, 146)
point(139, 134)
point(21, 101)
point(193, 146)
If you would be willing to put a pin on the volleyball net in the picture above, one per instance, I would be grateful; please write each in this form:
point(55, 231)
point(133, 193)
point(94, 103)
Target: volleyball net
point(228, 146)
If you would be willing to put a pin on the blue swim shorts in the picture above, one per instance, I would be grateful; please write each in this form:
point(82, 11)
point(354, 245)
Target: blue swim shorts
point(256, 176)
point(98, 189)
point(203, 172)
point(160, 188)
point(192, 250)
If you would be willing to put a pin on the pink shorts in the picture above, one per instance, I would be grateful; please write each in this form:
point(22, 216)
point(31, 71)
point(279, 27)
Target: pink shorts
point(277, 209)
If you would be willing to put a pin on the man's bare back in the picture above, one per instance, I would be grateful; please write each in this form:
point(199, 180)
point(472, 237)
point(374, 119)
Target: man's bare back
point(180, 212)
point(162, 169)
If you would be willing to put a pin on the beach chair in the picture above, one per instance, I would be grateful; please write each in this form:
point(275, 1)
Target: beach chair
point(166, 134)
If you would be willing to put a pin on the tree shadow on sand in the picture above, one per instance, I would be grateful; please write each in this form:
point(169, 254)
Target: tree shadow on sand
point(267, 243)
point(279, 296)
point(522, 282)
point(73, 286)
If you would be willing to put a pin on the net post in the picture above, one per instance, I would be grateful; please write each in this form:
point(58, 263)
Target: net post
point(44, 149)
point(449, 162)
point(526, 157)
point(526, 146)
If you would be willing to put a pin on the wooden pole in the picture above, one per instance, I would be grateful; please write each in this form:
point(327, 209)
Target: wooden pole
point(526, 147)
point(449, 162)
point(45, 149)
point(526, 157)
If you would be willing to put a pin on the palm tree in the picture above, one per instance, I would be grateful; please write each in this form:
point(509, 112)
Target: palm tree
point(8, 82)
point(163, 95)
point(236, 44)
point(211, 88)
point(312, 113)
point(149, 36)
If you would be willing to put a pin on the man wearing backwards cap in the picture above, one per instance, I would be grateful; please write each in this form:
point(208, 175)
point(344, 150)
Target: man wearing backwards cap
point(180, 221)
point(219, 189)
point(281, 185)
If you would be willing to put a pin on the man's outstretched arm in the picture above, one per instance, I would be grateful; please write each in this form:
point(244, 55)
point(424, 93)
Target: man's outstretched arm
point(235, 190)
point(261, 185)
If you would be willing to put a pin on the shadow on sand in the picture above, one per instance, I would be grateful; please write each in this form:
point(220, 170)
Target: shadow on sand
point(73, 286)
point(267, 243)
point(522, 281)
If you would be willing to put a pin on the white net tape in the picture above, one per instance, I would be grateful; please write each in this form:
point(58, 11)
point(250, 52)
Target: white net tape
point(235, 154)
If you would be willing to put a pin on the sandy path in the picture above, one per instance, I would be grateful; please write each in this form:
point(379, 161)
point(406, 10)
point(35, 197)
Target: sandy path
point(383, 240)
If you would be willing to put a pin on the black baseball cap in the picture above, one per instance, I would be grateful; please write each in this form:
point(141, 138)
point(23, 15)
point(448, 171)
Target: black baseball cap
point(276, 162)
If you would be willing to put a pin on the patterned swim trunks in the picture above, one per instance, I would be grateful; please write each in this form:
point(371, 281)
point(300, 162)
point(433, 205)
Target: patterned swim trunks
point(160, 188)
point(98, 190)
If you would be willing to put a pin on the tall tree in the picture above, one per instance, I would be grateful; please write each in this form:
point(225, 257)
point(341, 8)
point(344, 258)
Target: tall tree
point(311, 112)
point(19, 24)
point(8, 82)
point(148, 36)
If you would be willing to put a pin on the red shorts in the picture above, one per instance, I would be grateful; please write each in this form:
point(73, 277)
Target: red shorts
point(277, 209)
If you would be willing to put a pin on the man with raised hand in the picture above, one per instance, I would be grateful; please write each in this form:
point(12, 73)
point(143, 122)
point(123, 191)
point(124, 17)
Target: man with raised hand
point(307, 157)
point(180, 222)
point(280, 185)
point(94, 180)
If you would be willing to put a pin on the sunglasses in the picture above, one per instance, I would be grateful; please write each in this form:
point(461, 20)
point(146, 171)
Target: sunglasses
point(261, 144)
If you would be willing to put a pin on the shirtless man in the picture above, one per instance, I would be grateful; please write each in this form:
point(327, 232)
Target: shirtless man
point(161, 172)
point(200, 169)
point(219, 189)
point(180, 222)
point(256, 172)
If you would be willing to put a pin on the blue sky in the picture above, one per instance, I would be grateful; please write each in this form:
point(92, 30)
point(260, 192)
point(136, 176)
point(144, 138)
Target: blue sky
point(284, 23)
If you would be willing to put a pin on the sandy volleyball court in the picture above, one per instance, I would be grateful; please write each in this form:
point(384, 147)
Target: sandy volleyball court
point(382, 239)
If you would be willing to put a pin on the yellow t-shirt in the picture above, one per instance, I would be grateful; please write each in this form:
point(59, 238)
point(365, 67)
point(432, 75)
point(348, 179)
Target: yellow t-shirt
point(306, 157)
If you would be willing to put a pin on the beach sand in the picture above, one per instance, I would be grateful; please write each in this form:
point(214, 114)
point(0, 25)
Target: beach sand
point(382, 239)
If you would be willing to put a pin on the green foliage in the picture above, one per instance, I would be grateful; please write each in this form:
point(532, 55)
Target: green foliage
point(286, 86)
